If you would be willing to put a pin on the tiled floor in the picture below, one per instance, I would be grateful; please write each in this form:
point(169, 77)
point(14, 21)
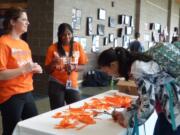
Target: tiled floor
point(43, 103)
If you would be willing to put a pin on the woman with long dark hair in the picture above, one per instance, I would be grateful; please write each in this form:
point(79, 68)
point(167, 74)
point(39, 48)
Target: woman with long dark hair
point(155, 88)
point(16, 71)
point(62, 64)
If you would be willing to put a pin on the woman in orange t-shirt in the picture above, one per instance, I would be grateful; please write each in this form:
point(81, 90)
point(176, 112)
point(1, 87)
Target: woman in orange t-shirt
point(16, 71)
point(62, 64)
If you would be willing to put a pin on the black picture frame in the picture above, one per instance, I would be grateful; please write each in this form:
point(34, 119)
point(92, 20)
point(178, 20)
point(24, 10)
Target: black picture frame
point(105, 41)
point(151, 26)
point(128, 30)
point(100, 29)
point(112, 22)
point(89, 26)
point(111, 38)
point(131, 21)
point(120, 32)
point(121, 19)
point(101, 14)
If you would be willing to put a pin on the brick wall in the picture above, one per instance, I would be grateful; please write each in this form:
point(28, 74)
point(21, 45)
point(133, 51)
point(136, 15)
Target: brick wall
point(40, 36)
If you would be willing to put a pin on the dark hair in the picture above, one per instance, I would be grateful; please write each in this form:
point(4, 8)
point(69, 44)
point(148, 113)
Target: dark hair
point(124, 58)
point(137, 35)
point(11, 14)
point(61, 29)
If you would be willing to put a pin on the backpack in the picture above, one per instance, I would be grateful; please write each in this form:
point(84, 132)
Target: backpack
point(95, 78)
point(168, 57)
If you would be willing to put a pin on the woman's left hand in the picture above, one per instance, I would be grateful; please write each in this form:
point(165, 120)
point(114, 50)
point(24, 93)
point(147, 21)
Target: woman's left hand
point(37, 68)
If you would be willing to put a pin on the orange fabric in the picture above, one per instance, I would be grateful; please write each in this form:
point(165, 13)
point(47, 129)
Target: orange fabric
point(13, 54)
point(87, 113)
point(62, 75)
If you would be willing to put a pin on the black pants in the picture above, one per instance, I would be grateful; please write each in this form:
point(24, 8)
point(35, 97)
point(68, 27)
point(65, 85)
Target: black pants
point(163, 127)
point(59, 95)
point(18, 107)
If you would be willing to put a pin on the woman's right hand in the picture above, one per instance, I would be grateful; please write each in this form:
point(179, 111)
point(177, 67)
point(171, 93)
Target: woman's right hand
point(57, 62)
point(119, 118)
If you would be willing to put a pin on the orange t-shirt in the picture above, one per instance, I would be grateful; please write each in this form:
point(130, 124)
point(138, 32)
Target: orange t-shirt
point(13, 54)
point(62, 75)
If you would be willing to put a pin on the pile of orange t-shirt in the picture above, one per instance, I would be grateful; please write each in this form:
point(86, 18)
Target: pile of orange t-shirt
point(86, 114)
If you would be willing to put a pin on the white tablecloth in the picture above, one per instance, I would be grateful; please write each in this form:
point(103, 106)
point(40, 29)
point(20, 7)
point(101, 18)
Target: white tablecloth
point(44, 124)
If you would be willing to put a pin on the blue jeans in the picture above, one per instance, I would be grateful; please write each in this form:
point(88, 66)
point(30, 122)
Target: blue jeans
point(163, 127)
point(18, 107)
point(59, 95)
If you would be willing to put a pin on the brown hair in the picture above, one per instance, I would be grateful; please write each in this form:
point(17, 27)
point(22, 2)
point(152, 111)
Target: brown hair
point(11, 14)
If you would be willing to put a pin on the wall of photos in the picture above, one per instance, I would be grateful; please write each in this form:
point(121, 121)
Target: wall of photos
point(110, 24)
point(154, 14)
point(97, 26)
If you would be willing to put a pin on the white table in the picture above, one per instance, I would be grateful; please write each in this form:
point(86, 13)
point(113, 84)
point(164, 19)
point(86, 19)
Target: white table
point(44, 124)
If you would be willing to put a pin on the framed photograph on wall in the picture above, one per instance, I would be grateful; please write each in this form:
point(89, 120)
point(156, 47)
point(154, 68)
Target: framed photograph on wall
point(121, 19)
point(151, 26)
point(83, 42)
point(89, 26)
point(95, 43)
point(115, 42)
point(112, 22)
point(100, 29)
point(105, 42)
point(101, 14)
point(127, 20)
point(120, 32)
point(111, 38)
point(77, 39)
point(128, 30)
point(76, 19)
point(126, 41)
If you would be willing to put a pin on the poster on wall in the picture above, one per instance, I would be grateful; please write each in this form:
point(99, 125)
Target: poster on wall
point(76, 18)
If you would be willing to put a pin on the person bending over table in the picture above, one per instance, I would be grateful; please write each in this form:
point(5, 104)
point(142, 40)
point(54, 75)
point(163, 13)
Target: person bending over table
point(154, 86)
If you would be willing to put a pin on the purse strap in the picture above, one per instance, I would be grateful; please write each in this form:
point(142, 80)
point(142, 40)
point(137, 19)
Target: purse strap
point(171, 108)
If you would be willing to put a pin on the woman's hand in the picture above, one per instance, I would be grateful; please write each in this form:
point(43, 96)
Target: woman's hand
point(120, 119)
point(31, 67)
point(37, 68)
point(57, 61)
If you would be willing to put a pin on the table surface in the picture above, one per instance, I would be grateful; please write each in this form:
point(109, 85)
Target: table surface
point(44, 124)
